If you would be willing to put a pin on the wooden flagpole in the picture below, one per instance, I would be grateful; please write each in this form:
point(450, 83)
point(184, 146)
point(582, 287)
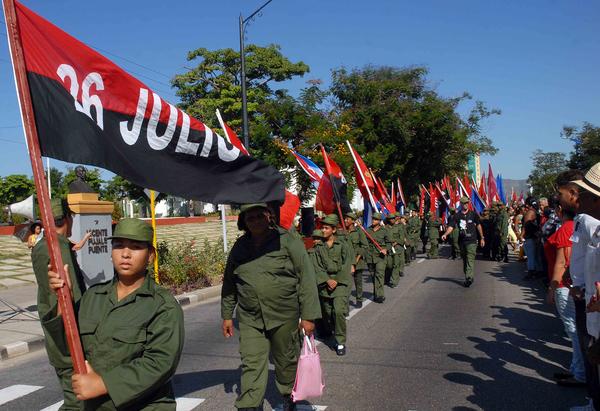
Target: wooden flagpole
point(65, 301)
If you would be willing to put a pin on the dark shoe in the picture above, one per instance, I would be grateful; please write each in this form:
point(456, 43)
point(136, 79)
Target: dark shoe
point(340, 350)
point(468, 282)
point(570, 382)
point(358, 304)
point(530, 275)
point(562, 375)
point(288, 404)
point(380, 300)
point(259, 408)
point(392, 285)
point(505, 259)
point(401, 273)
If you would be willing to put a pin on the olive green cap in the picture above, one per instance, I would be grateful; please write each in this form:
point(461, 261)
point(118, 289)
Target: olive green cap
point(464, 200)
point(391, 216)
point(351, 215)
point(133, 229)
point(246, 207)
point(317, 233)
point(331, 219)
point(377, 216)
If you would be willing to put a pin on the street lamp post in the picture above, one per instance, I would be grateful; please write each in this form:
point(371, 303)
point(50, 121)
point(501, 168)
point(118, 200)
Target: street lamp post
point(243, 22)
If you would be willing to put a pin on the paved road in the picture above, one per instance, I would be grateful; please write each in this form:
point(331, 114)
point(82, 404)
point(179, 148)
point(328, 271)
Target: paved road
point(433, 345)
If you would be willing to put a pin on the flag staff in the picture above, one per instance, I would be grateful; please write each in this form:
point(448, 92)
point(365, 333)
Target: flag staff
point(360, 172)
point(65, 301)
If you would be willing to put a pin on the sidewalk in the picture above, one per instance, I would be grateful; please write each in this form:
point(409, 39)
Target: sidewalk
point(20, 329)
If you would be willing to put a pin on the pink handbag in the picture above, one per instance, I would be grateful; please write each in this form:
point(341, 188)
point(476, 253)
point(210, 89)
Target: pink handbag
point(309, 379)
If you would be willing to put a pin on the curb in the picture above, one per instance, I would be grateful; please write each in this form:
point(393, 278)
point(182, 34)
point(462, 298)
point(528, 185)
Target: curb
point(19, 348)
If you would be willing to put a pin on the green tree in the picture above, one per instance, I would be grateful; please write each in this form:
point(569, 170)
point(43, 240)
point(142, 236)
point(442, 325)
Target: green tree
point(586, 141)
point(14, 188)
point(403, 128)
point(57, 183)
point(546, 166)
point(215, 81)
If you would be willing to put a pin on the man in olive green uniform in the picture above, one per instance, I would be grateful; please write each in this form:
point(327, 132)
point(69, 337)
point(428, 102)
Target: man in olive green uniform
point(407, 243)
point(377, 258)
point(46, 299)
point(469, 226)
point(360, 245)
point(399, 242)
point(391, 260)
point(414, 224)
point(487, 224)
point(334, 263)
point(271, 280)
point(425, 231)
point(434, 236)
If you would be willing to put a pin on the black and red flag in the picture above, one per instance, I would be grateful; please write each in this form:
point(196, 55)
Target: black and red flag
point(331, 195)
point(90, 111)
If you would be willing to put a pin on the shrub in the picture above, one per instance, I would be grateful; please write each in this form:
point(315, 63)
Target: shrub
point(186, 265)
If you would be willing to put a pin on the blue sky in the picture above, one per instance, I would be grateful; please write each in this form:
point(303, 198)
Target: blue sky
point(537, 61)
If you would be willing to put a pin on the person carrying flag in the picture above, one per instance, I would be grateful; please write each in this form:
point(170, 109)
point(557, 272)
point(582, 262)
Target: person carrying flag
point(334, 260)
point(468, 225)
point(360, 244)
point(376, 257)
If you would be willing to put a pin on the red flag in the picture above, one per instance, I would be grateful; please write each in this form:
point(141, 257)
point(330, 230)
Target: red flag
point(422, 202)
point(393, 199)
point(432, 200)
point(381, 194)
point(482, 192)
point(332, 188)
point(401, 193)
point(362, 176)
point(467, 184)
point(492, 189)
point(513, 195)
point(232, 136)
point(288, 210)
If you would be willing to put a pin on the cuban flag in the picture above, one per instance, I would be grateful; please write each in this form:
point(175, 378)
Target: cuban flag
point(309, 166)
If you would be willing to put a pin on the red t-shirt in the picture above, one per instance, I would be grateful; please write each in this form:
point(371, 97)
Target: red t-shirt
point(560, 239)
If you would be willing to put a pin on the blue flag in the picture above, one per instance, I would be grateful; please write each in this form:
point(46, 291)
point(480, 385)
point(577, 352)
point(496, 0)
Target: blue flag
point(367, 214)
point(500, 187)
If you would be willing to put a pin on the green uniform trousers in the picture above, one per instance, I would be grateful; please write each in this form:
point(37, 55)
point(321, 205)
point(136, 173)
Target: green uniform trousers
point(407, 255)
point(378, 274)
point(333, 311)
point(467, 253)
point(358, 283)
point(433, 248)
point(255, 344)
point(454, 241)
point(70, 400)
point(398, 268)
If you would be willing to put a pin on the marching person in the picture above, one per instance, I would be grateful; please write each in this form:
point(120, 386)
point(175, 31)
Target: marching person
point(468, 224)
point(434, 225)
point(271, 280)
point(376, 257)
point(131, 330)
point(360, 245)
point(400, 241)
point(333, 270)
point(46, 298)
point(413, 230)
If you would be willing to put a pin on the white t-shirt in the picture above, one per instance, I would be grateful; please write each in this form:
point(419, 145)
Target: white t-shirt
point(584, 228)
point(592, 275)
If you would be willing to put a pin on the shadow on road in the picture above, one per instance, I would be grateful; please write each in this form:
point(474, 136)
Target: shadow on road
point(514, 371)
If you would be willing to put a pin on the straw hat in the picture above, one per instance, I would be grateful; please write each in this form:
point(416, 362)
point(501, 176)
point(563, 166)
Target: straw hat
point(591, 180)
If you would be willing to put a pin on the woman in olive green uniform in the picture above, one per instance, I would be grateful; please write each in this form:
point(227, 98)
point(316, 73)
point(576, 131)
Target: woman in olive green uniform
point(333, 269)
point(131, 330)
point(271, 280)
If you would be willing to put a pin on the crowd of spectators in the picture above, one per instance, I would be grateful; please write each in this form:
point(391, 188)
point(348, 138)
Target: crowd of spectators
point(559, 238)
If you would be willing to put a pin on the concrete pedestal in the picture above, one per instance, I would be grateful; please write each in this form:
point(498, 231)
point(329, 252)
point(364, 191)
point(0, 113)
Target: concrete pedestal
point(94, 216)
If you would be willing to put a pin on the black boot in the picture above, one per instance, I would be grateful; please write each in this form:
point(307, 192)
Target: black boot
point(288, 404)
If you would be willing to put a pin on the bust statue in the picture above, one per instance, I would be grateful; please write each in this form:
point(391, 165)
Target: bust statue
point(79, 185)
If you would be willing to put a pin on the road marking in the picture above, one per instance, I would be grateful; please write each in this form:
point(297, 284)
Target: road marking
point(420, 260)
point(304, 407)
point(356, 310)
point(188, 404)
point(53, 407)
point(450, 343)
point(16, 391)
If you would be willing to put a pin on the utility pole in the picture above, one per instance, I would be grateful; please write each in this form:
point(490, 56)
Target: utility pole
point(243, 22)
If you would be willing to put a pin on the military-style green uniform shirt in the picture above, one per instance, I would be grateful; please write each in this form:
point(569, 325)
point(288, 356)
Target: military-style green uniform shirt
point(133, 344)
point(46, 299)
point(434, 227)
point(360, 245)
point(383, 239)
point(334, 263)
point(272, 285)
